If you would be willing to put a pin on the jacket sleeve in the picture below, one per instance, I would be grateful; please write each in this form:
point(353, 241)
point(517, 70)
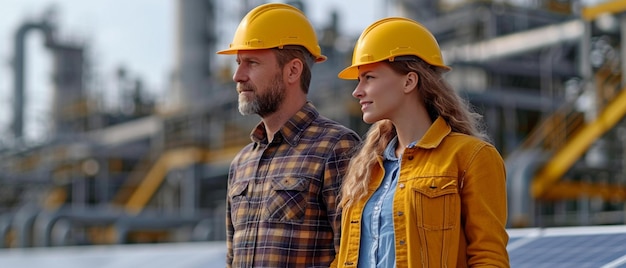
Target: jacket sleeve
point(484, 208)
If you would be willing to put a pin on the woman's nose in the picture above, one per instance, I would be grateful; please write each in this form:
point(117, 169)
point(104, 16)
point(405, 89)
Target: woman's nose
point(357, 93)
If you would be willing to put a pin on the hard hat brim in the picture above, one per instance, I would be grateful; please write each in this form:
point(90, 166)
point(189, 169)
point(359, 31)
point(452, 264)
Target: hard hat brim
point(349, 73)
point(233, 51)
point(227, 52)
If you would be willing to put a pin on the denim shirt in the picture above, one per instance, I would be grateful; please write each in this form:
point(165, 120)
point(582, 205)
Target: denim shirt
point(377, 237)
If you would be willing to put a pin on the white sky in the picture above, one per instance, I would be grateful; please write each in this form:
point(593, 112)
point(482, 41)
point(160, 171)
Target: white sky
point(138, 34)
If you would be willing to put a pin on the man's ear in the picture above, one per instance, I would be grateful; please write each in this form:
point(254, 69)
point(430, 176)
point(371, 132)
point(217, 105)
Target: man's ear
point(410, 82)
point(293, 70)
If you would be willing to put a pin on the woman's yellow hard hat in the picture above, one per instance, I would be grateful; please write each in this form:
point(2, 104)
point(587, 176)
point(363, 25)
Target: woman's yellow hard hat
point(389, 38)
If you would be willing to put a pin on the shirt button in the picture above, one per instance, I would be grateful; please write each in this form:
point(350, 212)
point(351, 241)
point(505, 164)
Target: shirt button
point(400, 213)
point(410, 157)
point(402, 242)
point(401, 185)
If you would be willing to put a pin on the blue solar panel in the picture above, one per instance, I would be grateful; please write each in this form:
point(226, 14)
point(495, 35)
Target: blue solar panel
point(598, 246)
point(571, 247)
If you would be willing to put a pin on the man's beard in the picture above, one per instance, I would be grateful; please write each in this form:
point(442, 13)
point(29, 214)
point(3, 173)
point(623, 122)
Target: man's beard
point(263, 103)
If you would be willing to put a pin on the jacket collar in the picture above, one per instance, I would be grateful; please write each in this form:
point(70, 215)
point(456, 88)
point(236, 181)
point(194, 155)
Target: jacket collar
point(435, 134)
point(292, 130)
point(431, 139)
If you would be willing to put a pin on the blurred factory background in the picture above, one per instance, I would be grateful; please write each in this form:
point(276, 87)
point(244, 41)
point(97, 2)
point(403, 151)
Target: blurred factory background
point(547, 75)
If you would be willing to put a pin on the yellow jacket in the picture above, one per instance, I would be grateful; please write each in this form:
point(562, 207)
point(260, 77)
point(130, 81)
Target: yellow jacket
point(449, 207)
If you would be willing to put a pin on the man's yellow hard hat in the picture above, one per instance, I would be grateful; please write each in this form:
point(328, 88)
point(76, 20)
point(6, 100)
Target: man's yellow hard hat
point(275, 25)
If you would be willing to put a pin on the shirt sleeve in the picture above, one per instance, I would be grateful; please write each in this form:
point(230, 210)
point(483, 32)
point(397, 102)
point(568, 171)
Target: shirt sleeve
point(335, 170)
point(229, 224)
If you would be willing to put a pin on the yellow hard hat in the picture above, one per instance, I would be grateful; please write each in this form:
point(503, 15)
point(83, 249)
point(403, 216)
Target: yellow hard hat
point(389, 38)
point(275, 25)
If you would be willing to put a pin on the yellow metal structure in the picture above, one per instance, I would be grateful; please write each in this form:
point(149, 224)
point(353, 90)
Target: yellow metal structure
point(609, 7)
point(176, 158)
point(573, 190)
point(547, 182)
point(173, 159)
point(55, 198)
point(554, 170)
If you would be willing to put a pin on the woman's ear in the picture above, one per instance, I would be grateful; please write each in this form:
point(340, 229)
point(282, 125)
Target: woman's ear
point(410, 82)
point(293, 70)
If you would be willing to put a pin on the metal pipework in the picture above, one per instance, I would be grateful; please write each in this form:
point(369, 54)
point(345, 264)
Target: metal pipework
point(18, 69)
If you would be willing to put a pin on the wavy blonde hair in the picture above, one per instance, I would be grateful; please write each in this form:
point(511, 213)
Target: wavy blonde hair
point(440, 100)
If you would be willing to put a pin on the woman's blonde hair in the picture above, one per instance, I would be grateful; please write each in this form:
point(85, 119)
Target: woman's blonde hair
point(440, 100)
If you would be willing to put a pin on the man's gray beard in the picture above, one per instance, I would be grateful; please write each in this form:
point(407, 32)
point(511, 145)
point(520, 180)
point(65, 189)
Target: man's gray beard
point(248, 107)
point(267, 103)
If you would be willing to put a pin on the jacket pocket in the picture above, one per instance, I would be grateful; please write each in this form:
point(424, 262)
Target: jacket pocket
point(436, 203)
point(288, 200)
point(239, 203)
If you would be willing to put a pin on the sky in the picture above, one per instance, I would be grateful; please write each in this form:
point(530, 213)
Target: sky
point(136, 34)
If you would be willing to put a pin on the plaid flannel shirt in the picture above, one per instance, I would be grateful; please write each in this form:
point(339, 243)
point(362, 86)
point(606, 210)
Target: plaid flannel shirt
point(282, 196)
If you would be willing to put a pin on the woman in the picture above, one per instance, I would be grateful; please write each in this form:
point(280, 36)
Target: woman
point(426, 189)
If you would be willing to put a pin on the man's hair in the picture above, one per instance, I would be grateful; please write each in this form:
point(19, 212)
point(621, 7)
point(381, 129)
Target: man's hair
point(288, 53)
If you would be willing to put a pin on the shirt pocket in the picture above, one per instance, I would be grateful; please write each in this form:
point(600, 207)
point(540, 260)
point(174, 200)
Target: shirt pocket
point(239, 202)
point(288, 200)
point(436, 202)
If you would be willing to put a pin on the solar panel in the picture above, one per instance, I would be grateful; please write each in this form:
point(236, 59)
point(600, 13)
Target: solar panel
point(593, 246)
point(578, 247)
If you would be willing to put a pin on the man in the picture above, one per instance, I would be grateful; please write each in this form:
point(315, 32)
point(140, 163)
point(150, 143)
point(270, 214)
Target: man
point(283, 187)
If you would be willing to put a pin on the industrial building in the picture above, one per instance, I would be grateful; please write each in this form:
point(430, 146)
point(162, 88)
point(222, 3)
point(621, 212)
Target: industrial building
point(547, 75)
